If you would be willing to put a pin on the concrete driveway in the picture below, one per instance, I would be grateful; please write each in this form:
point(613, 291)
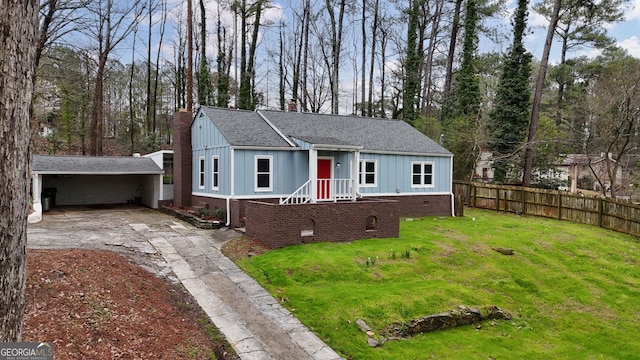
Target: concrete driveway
point(252, 320)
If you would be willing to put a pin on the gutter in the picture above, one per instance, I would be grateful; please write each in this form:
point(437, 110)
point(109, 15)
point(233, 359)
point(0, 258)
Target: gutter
point(453, 203)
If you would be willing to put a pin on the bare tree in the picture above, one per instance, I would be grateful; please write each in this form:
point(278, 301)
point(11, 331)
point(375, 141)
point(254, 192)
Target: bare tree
point(613, 113)
point(57, 19)
point(336, 32)
point(17, 61)
point(112, 23)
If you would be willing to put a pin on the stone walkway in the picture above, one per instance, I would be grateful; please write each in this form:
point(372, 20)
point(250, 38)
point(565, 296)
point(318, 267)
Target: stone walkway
point(250, 318)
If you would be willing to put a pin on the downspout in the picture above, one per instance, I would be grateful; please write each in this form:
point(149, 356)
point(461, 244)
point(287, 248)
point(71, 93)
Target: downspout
point(453, 203)
point(232, 177)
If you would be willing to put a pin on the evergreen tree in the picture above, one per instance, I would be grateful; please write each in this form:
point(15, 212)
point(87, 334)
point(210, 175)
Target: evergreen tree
point(465, 95)
point(510, 116)
point(412, 67)
point(461, 112)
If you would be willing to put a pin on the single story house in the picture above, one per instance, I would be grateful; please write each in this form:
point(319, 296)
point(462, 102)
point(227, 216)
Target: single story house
point(84, 180)
point(259, 165)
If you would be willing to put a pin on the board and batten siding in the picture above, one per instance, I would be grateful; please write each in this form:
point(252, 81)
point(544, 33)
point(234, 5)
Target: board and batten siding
point(394, 174)
point(207, 141)
point(290, 170)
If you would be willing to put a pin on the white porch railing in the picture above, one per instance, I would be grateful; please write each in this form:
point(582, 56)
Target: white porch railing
point(326, 190)
point(300, 196)
point(335, 189)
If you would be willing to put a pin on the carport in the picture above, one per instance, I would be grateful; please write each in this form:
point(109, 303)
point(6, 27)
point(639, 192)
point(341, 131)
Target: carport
point(83, 180)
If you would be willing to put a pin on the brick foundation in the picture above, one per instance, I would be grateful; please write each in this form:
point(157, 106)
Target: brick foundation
point(278, 226)
point(423, 205)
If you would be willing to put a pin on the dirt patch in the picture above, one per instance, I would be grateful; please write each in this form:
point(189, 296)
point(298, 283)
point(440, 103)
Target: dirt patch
point(97, 305)
point(243, 247)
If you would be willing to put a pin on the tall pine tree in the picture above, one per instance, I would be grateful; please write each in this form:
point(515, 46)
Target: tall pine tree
point(510, 116)
point(461, 111)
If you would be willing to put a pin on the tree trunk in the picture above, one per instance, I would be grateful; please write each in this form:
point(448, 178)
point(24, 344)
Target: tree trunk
point(537, 96)
point(189, 56)
point(455, 26)
point(19, 19)
point(374, 37)
point(336, 46)
point(363, 108)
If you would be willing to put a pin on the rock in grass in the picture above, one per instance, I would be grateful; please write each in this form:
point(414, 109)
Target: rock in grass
point(504, 251)
point(372, 342)
point(363, 325)
point(446, 320)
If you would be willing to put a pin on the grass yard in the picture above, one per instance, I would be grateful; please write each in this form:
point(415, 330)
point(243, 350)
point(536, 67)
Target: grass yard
point(573, 290)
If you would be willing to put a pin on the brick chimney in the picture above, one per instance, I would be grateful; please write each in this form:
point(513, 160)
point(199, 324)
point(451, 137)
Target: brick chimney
point(182, 158)
point(293, 107)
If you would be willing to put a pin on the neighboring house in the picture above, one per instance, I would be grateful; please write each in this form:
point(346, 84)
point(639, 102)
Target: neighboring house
point(575, 169)
point(484, 167)
point(240, 158)
point(84, 180)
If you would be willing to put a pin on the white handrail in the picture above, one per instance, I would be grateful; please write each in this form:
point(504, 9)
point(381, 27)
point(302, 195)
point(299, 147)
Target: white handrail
point(300, 196)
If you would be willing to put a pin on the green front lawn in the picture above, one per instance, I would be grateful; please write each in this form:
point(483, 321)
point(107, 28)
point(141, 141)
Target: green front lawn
point(573, 290)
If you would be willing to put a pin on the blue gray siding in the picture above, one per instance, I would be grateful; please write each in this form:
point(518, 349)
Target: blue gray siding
point(290, 171)
point(207, 141)
point(394, 174)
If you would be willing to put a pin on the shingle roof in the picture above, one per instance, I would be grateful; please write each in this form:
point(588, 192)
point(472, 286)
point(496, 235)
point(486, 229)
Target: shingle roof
point(248, 128)
point(244, 128)
point(371, 133)
point(94, 165)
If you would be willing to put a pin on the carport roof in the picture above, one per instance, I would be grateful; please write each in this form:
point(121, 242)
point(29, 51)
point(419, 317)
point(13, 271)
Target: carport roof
point(94, 165)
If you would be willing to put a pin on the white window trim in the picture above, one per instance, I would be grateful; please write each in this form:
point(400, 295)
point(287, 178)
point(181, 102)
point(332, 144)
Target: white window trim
point(201, 175)
point(422, 164)
point(213, 172)
point(361, 173)
point(255, 177)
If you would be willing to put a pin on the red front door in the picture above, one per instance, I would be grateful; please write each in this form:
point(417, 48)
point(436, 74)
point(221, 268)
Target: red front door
point(324, 179)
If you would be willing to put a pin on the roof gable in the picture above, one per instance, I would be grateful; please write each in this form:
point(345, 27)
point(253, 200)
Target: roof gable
point(243, 128)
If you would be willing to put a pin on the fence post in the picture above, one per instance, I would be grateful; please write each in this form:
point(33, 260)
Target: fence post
point(600, 211)
point(506, 206)
point(474, 188)
point(524, 201)
point(497, 199)
point(559, 206)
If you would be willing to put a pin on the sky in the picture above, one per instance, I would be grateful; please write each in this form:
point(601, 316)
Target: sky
point(626, 33)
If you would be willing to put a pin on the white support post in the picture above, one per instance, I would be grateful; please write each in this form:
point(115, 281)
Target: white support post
point(313, 174)
point(355, 175)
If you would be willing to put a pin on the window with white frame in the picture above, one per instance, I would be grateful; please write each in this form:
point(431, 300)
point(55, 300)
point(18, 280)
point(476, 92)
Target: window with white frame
point(215, 172)
point(367, 173)
point(421, 174)
point(201, 175)
point(264, 173)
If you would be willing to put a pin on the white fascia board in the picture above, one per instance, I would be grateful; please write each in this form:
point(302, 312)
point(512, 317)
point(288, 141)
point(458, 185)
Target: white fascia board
point(337, 147)
point(97, 173)
point(406, 153)
point(246, 147)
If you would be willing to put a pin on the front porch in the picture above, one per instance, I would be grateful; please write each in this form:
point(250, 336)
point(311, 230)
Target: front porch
point(333, 175)
point(326, 190)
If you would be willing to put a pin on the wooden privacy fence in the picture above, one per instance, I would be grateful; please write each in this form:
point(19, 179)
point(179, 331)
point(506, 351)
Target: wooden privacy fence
point(604, 212)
